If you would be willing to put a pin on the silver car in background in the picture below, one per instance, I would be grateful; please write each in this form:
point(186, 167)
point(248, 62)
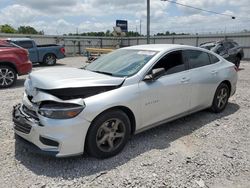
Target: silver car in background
point(67, 111)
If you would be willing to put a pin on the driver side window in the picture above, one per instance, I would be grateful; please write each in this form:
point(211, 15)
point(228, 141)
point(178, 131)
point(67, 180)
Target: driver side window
point(172, 63)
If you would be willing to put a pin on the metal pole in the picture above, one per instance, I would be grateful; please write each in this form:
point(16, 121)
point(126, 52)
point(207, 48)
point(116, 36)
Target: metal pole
point(148, 21)
point(140, 27)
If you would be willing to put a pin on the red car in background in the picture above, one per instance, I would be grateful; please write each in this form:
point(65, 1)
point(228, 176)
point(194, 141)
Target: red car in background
point(14, 61)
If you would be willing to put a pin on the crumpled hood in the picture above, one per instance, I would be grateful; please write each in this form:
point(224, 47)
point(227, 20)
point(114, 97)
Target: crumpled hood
point(58, 78)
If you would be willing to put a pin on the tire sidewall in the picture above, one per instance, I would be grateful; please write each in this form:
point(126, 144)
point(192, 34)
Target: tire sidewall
point(45, 58)
point(215, 107)
point(91, 145)
point(237, 62)
point(15, 76)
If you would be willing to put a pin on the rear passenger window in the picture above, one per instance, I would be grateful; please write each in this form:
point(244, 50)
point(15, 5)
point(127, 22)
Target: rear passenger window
point(213, 59)
point(229, 45)
point(25, 44)
point(197, 58)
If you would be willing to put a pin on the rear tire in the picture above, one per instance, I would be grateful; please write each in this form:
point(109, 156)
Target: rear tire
point(221, 97)
point(49, 60)
point(237, 61)
point(8, 76)
point(108, 134)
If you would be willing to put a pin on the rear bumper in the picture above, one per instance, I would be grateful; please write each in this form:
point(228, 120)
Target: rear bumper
point(61, 56)
point(24, 68)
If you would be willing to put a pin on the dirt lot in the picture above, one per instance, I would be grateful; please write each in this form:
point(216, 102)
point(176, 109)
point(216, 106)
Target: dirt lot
point(201, 150)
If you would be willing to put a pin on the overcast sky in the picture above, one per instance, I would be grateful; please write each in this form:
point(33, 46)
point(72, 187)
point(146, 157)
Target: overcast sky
point(65, 16)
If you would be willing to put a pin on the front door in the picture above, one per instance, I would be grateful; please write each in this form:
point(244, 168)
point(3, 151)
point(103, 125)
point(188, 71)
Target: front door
point(167, 96)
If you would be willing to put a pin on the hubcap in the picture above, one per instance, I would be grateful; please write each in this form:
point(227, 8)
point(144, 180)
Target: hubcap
point(50, 60)
point(222, 98)
point(7, 77)
point(110, 135)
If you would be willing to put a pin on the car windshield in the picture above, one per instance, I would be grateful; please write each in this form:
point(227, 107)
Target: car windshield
point(122, 62)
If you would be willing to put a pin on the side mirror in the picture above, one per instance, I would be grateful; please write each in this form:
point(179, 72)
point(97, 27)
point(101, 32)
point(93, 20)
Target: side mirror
point(154, 74)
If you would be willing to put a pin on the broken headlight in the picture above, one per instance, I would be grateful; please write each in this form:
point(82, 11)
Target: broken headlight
point(60, 110)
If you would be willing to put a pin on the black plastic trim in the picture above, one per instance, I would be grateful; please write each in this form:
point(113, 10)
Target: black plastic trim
point(48, 142)
point(33, 148)
point(81, 92)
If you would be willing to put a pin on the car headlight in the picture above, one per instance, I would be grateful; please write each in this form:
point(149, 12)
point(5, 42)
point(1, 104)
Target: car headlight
point(60, 110)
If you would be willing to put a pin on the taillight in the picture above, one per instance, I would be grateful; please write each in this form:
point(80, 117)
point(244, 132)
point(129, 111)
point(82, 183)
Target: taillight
point(26, 52)
point(62, 50)
point(23, 54)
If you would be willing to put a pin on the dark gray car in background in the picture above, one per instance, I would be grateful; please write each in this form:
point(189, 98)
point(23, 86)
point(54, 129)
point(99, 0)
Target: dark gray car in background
point(228, 49)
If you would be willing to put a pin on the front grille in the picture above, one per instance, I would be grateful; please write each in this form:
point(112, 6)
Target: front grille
point(30, 113)
point(22, 127)
point(30, 98)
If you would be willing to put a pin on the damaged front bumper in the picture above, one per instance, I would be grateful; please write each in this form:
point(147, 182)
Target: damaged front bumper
point(54, 137)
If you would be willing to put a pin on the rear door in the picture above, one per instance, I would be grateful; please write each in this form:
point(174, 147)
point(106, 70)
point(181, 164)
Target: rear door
point(168, 96)
point(203, 79)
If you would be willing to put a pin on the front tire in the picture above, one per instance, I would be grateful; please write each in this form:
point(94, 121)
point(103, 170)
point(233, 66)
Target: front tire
point(221, 97)
point(8, 76)
point(49, 60)
point(108, 134)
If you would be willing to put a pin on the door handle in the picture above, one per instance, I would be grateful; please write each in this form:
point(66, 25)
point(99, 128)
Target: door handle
point(214, 71)
point(185, 79)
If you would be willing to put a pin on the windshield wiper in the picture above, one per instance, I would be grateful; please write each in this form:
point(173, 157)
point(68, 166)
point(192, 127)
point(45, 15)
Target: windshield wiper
point(102, 72)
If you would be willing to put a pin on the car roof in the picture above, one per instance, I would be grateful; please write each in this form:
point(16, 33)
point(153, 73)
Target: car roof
point(217, 42)
point(5, 44)
point(2, 41)
point(160, 47)
point(209, 44)
point(19, 39)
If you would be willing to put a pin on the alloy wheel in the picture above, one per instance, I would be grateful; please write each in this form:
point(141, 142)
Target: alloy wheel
point(110, 135)
point(50, 60)
point(7, 77)
point(222, 98)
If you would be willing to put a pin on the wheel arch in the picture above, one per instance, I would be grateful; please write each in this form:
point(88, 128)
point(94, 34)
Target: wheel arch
point(12, 65)
point(49, 53)
point(228, 83)
point(127, 111)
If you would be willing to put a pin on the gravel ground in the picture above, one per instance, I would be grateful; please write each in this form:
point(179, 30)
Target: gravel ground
point(201, 150)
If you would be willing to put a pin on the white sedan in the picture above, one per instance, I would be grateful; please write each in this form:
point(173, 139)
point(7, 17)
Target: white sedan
point(67, 111)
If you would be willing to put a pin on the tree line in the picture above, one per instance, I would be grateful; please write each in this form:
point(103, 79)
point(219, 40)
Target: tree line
point(31, 30)
point(20, 30)
point(128, 34)
point(108, 33)
point(167, 33)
